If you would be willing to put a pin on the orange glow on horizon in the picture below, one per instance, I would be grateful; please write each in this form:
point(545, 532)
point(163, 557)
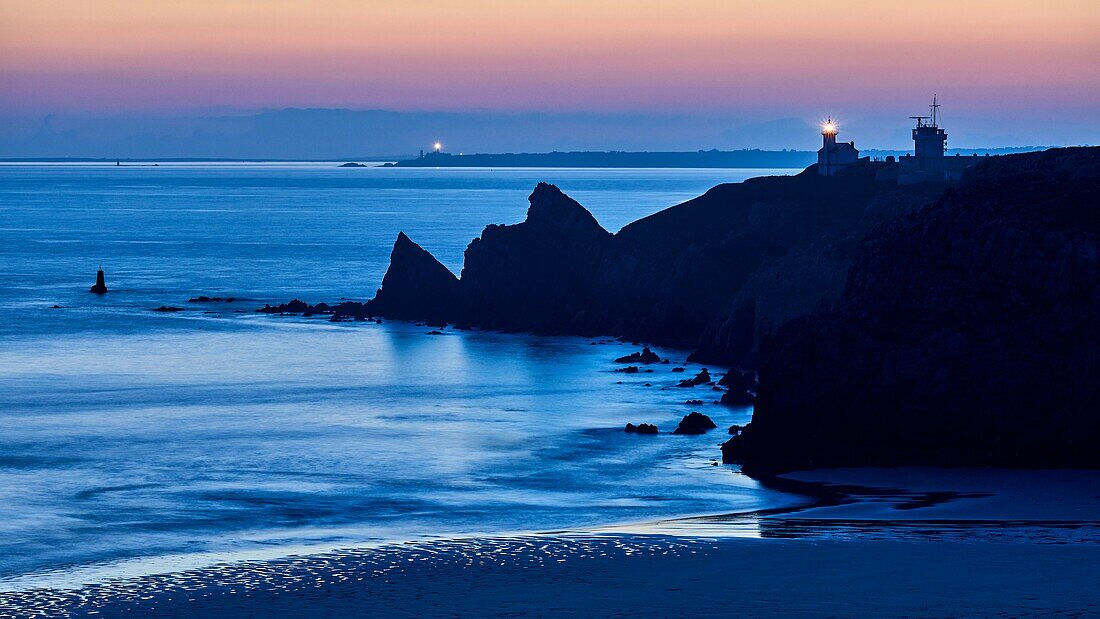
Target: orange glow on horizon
point(557, 54)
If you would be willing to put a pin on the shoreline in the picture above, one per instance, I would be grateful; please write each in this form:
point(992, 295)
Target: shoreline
point(639, 575)
point(838, 513)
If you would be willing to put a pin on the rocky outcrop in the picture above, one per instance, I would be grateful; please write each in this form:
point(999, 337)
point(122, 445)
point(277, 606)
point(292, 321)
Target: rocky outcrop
point(100, 285)
point(642, 428)
point(694, 423)
point(537, 275)
point(416, 286)
point(644, 356)
point(714, 272)
point(702, 378)
point(967, 334)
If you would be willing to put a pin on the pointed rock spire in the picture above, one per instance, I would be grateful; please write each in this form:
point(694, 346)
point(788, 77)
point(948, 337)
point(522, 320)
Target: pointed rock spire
point(100, 286)
point(416, 285)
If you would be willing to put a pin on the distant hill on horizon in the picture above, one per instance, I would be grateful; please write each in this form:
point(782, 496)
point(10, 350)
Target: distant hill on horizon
point(714, 158)
point(367, 135)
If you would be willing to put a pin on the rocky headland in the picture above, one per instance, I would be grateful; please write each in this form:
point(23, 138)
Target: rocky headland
point(891, 324)
point(968, 334)
point(714, 274)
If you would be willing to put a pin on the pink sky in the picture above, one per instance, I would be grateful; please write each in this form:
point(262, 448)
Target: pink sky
point(998, 59)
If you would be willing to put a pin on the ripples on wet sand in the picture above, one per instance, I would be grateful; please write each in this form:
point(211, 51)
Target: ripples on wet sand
point(609, 574)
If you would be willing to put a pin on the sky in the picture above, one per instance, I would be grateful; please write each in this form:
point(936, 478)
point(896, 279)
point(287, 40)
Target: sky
point(1008, 72)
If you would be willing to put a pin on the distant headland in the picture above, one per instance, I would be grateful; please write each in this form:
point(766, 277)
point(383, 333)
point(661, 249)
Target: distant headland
point(746, 158)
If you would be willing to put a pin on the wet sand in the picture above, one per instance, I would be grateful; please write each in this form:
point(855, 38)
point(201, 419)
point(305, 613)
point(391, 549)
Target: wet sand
point(647, 576)
point(952, 543)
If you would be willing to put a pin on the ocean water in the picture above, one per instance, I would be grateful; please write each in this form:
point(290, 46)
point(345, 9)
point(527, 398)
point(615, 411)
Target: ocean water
point(132, 438)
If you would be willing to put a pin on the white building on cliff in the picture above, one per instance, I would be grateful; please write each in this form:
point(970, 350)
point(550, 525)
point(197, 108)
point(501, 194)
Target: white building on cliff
point(834, 156)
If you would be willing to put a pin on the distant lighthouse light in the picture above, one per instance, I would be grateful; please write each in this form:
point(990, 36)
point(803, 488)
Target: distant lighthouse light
point(438, 146)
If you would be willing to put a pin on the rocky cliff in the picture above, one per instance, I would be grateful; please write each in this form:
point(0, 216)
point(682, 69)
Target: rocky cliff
point(715, 273)
point(967, 334)
point(667, 277)
point(537, 275)
point(416, 286)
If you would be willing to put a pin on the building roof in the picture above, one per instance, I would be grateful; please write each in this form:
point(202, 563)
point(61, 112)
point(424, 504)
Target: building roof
point(841, 146)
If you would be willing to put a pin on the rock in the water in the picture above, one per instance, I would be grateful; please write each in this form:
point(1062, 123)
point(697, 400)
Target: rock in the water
point(736, 379)
point(734, 429)
point(416, 286)
point(694, 402)
point(168, 308)
point(100, 286)
point(694, 423)
point(296, 306)
point(702, 378)
point(677, 369)
point(538, 275)
point(205, 299)
point(630, 369)
point(642, 428)
point(645, 356)
point(737, 397)
point(729, 450)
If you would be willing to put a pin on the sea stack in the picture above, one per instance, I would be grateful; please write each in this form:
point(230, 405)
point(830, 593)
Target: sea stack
point(100, 286)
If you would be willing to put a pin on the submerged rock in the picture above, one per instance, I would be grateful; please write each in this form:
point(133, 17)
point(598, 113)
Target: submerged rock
point(168, 308)
point(694, 423)
point(630, 369)
point(642, 428)
point(205, 299)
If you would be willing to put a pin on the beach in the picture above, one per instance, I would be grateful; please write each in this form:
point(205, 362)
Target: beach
point(863, 555)
point(632, 576)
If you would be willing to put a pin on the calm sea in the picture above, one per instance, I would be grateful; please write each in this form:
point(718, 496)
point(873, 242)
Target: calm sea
point(130, 437)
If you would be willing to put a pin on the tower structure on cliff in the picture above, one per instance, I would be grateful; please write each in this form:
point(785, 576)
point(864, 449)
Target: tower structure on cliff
point(929, 162)
point(929, 139)
point(833, 155)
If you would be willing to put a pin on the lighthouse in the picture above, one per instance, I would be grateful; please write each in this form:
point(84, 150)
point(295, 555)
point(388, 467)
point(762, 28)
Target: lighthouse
point(833, 155)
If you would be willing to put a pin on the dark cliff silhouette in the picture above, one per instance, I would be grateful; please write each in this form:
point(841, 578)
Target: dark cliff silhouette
point(416, 286)
point(895, 324)
point(694, 275)
point(968, 334)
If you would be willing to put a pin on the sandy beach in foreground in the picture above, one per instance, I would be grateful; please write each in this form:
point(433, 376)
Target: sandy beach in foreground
point(977, 543)
point(649, 576)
